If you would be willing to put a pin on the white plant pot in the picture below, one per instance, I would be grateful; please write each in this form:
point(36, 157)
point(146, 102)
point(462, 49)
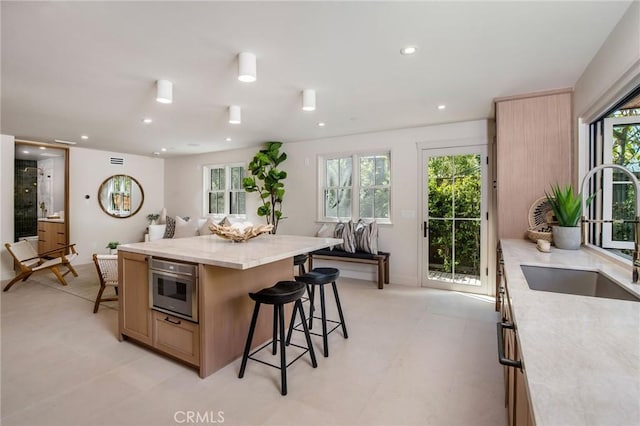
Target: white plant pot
point(567, 237)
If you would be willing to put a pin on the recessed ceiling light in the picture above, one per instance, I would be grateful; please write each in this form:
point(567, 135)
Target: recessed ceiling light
point(321, 124)
point(163, 149)
point(228, 139)
point(147, 120)
point(441, 107)
point(43, 147)
point(409, 50)
point(25, 152)
point(84, 137)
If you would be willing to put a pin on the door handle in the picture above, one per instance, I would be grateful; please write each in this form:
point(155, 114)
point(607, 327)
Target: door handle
point(425, 229)
point(501, 358)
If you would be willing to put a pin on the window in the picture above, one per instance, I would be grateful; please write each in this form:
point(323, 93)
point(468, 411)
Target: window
point(615, 139)
point(223, 192)
point(355, 186)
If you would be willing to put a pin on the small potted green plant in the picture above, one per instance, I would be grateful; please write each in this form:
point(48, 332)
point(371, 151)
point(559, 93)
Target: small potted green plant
point(567, 209)
point(113, 247)
point(152, 218)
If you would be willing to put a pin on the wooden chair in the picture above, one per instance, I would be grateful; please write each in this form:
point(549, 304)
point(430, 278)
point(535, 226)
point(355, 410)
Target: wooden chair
point(107, 267)
point(29, 261)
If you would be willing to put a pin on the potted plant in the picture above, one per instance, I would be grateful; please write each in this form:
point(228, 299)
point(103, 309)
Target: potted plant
point(113, 247)
point(152, 217)
point(264, 167)
point(567, 208)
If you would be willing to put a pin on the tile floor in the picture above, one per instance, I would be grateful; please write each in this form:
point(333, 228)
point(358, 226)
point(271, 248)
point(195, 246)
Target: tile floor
point(414, 357)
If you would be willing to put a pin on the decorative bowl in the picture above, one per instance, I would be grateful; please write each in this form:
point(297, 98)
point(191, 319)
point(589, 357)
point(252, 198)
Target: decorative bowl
point(237, 235)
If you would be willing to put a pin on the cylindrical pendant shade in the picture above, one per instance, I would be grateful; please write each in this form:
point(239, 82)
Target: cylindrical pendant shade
point(247, 67)
point(164, 92)
point(308, 100)
point(234, 114)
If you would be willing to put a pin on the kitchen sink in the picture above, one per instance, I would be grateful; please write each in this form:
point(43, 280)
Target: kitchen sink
point(574, 281)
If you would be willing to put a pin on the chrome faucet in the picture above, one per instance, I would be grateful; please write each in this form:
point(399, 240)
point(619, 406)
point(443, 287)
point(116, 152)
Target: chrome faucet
point(636, 187)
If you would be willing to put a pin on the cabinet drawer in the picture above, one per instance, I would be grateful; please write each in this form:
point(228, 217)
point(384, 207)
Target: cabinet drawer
point(177, 337)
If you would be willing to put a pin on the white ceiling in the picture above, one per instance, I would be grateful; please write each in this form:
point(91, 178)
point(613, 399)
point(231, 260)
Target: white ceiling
point(73, 68)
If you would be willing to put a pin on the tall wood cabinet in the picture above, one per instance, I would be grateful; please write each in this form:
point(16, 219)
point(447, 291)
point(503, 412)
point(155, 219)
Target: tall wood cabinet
point(534, 151)
point(51, 235)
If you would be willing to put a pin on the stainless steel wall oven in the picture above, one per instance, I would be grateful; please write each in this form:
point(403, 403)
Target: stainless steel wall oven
point(173, 288)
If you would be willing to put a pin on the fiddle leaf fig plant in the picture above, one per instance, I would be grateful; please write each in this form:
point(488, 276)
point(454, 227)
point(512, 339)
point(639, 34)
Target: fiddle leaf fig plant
point(266, 179)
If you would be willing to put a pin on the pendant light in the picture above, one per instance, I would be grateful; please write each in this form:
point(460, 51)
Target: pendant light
point(308, 100)
point(247, 67)
point(234, 114)
point(164, 93)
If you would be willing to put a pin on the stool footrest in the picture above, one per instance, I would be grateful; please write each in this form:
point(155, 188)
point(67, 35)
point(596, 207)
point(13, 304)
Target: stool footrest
point(337, 324)
point(273, 365)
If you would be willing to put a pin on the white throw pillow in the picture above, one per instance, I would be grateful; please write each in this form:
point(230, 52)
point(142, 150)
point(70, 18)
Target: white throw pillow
point(203, 226)
point(163, 216)
point(156, 232)
point(185, 228)
point(326, 230)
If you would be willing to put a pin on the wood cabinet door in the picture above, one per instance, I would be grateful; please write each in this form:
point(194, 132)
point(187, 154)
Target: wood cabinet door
point(177, 337)
point(533, 135)
point(135, 313)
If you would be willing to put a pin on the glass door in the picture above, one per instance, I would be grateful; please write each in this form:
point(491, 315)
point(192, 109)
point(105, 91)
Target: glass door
point(454, 219)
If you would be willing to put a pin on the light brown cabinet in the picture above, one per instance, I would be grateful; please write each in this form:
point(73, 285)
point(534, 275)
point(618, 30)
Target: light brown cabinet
point(172, 335)
point(534, 151)
point(135, 313)
point(51, 235)
point(176, 337)
point(516, 392)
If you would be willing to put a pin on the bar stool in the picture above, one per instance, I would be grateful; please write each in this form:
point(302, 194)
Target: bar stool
point(320, 277)
point(299, 261)
point(281, 293)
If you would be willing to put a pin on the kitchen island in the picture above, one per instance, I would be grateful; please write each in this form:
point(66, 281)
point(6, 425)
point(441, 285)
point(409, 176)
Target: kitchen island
point(580, 354)
point(227, 272)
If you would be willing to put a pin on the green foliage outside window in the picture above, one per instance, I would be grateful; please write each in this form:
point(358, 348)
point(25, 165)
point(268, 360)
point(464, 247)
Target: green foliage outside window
point(454, 214)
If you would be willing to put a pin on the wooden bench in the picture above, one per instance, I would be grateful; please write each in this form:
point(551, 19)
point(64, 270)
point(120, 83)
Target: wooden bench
point(381, 259)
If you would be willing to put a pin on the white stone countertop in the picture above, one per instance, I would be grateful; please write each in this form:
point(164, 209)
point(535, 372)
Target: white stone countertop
point(213, 250)
point(46, 219)
point(581, 354)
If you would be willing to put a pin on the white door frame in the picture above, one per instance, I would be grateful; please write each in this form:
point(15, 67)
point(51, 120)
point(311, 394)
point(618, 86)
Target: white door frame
point(463, 148)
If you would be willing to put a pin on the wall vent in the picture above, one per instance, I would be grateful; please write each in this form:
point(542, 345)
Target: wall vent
point(116, 161)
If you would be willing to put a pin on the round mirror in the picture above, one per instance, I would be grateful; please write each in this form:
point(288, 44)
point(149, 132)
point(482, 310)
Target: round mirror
point(120, 196)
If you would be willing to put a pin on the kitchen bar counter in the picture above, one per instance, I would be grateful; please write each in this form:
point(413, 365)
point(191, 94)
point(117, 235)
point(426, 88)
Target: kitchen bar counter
point(227, 272)
point(215, 251)
point(581, 354)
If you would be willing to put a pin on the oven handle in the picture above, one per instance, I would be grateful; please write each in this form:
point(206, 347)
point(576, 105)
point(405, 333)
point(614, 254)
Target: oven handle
point(172, 274)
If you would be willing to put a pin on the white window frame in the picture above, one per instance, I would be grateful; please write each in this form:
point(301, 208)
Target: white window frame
point(355, 184)
point(607, 200)
point(206, 183)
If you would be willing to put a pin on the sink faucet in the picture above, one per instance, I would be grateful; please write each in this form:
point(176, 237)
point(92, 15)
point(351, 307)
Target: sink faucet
point(636, 187)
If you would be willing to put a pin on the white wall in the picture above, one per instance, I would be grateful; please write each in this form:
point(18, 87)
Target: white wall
point(90, 228)
point(612, 73)
point(617, 62)
point(7, 154)
point(183, 186)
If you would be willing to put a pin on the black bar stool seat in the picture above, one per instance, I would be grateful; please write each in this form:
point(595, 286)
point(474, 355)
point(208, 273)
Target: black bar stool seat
point(320, 277)
point(278, 295)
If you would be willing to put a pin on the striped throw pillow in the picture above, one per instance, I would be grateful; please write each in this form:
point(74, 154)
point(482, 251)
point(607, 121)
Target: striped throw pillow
point(366, 236)
point(345, 230)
